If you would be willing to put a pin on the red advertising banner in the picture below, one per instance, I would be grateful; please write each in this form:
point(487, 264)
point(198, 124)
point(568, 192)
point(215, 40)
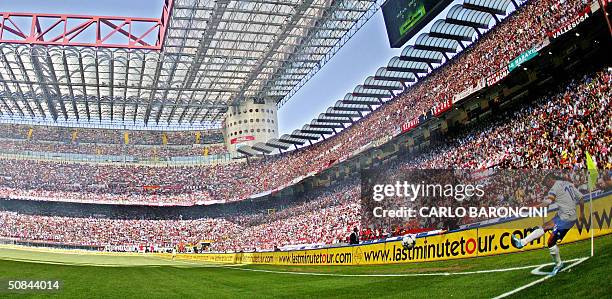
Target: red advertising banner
point(242, 139)
point(571, 24)
point(441, 107)
point(410, 125)
point(497, 76)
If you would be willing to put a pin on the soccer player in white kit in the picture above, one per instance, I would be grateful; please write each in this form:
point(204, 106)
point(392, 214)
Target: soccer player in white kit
point(565, 195)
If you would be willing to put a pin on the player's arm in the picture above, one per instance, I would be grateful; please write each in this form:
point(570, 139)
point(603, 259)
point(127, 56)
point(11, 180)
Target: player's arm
point(548, 200)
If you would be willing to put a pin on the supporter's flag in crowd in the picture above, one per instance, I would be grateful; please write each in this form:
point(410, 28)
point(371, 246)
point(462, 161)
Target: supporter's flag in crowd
point(74, 136)
point(164, 139)
point(198, 135)
point(126, 137)
point(98, 151)
point(30, 131)
point(205, 151)
point(593, 173)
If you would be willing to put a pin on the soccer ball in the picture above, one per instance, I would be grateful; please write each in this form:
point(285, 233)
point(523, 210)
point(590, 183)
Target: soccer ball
point(408, 241)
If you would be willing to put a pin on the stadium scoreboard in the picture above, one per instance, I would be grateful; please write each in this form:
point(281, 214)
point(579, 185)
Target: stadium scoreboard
point(404, 18)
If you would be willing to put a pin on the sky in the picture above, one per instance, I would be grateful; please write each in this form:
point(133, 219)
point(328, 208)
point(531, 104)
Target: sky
point(132, 8)
point(359, 58)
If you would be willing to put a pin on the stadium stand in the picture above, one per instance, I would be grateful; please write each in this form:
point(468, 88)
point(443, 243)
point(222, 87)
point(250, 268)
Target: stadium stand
point(514, 139)
point(107, 136)
point(17, 139)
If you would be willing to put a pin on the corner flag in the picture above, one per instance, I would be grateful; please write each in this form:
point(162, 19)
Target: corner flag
point(593, 174)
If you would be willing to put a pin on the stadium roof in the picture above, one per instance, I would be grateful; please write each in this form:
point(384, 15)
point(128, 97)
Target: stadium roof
point(182, 69)
point(463, 25)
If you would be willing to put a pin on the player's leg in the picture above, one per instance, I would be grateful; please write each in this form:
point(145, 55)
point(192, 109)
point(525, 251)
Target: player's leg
point(534, 235)
point(553, 248)
point(559, 231)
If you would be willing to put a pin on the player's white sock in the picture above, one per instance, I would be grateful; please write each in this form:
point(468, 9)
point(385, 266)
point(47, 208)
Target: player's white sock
point(554, 252)
point(534, 235)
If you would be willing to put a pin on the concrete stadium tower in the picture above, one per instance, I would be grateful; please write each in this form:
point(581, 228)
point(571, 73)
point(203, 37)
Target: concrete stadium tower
point(251, 122)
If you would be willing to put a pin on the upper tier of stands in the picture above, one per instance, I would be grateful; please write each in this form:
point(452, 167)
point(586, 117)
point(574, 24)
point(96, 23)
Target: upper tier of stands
point(108, 136)
point(108, 144)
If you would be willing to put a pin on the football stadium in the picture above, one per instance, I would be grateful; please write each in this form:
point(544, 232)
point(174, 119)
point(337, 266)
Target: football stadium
point(305, 148)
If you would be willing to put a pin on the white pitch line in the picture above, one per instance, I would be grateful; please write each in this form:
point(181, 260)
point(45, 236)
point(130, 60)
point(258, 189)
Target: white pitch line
point(540, 280)
point(400, 275)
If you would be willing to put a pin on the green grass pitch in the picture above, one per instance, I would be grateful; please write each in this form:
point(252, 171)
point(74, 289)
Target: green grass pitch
point(104, 276)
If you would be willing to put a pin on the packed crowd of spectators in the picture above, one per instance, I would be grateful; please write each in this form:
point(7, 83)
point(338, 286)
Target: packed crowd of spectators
point(16, 146)
point(552, 132)
point(107, 136)
point(552, 122)
point(100, 231)
point(326, 219)
point(16, 139)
